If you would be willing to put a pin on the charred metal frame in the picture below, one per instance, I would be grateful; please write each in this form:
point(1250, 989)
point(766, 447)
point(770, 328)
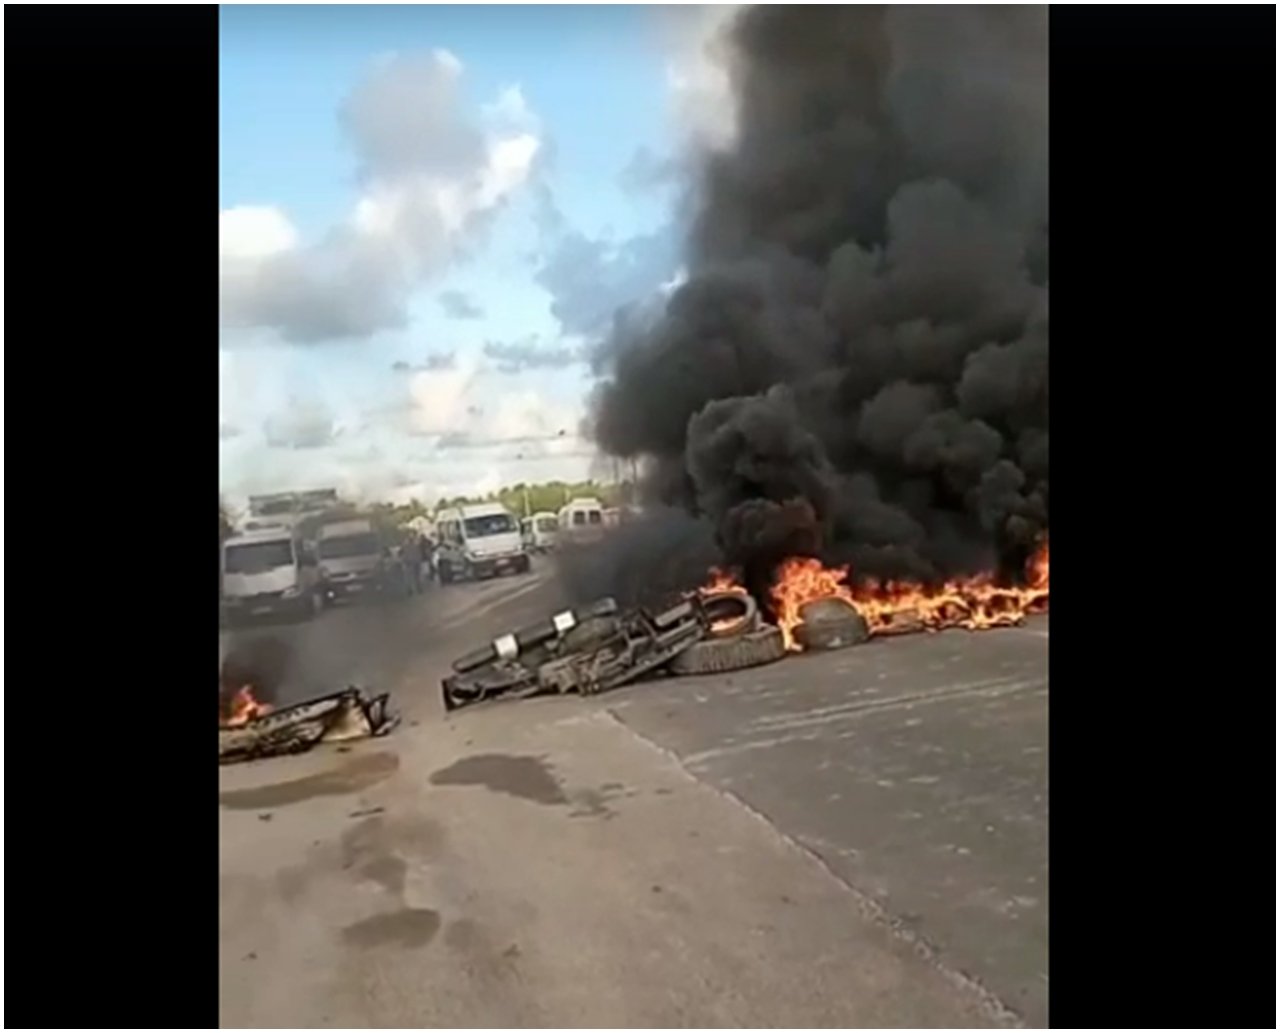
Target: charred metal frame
point(546, 659)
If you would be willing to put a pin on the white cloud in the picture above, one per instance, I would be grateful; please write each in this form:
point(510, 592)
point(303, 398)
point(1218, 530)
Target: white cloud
point(468, 407)
point(439, 400)
point(511, 111)
point(250, 232)
point(430, 177)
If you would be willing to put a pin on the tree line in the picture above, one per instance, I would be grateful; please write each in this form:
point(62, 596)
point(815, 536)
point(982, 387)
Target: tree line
point(519, 498)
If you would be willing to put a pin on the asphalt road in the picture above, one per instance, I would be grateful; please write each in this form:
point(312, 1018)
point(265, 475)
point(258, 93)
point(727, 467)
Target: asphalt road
point(853, 839)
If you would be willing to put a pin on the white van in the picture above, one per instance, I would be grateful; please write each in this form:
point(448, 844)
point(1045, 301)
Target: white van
point(539, 532)
point(478, 541)
point(582, 520)
point(269, 572)
point(353, 559)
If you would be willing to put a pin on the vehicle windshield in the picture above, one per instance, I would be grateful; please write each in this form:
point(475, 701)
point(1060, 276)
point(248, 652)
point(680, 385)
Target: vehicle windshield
point(348, 546)
point(594, 516)
point(546, 524)
point(276, 507)
point(259, 557)
point(483, 526)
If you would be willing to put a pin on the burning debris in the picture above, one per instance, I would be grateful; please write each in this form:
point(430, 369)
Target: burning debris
point(895, 607)
point(250, 730)
point(242, 707)
point(723, 627)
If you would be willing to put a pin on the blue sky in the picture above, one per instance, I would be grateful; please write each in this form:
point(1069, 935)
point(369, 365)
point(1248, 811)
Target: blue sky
point(424, 222)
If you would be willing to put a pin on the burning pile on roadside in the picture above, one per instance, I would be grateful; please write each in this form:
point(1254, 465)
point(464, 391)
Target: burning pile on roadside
point(895, 607)
point(250, 727)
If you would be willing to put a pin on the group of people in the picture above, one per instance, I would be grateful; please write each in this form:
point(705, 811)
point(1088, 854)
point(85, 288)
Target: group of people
point(415, 554)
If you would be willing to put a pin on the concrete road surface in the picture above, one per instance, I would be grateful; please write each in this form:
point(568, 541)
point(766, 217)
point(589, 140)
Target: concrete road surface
point(853, 839)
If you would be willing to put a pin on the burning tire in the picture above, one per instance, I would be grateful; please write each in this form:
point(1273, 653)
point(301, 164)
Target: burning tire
point(730, 613)
point(830, 624)
point(719, 655)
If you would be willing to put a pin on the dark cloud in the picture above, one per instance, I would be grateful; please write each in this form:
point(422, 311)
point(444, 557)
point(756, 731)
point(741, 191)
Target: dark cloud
point(434, 362)
point(459, 305)
point(857, 364)
point(404, 120)
point(529, 353)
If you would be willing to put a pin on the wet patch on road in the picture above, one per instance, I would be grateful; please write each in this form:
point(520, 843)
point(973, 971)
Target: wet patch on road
point(528, 778)
point(356, 774)
point(410, 927)
point(371, 849)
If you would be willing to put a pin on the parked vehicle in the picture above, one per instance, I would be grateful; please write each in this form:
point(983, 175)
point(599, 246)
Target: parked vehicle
point(540, 532)
point(269, 572)
point(477, 542)
point(355, 560)
point(581, 520)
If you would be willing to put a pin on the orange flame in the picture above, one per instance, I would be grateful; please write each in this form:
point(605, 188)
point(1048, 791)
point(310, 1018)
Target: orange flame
point(894, 607)
point(243, 708)
point(722, 582)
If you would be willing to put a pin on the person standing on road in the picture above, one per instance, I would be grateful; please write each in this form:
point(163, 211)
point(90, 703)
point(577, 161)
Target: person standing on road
point(412, 568)
point(424, 552)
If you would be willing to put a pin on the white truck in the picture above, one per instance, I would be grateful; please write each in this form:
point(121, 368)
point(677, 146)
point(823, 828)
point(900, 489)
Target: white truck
point(478, 541)
point(269, 572)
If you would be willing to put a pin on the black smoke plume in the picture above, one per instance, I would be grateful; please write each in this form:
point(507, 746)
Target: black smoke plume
point(669, 551)
point(857, 364)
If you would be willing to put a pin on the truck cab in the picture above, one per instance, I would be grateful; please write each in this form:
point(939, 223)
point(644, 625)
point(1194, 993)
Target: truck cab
point(354, 558)
point(269, 572)
point(477, 542)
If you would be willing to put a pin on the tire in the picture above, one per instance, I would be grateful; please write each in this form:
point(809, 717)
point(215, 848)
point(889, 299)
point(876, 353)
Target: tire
point(720, 655)
point(724, 605)
point(831, 624)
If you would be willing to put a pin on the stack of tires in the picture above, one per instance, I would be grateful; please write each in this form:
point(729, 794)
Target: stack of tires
point(738, 638)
